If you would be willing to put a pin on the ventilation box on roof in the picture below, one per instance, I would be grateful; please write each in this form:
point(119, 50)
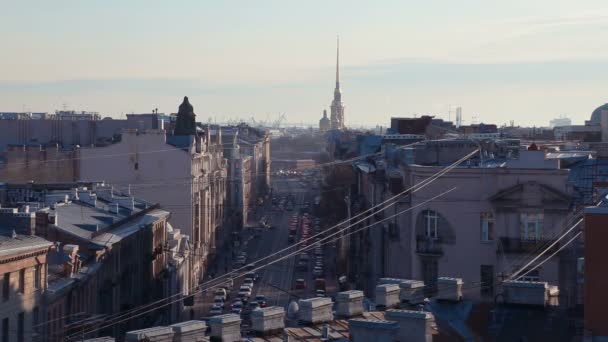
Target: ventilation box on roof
point(370, 330)
point(315, 310)
point(527, 292)
point(227, 327)
point(268, 320)
point(412, 291)
point(449, 289)
point(156, 334)
point(413, 325)
point(387, 295)
point(189, 331)
point(350, 303)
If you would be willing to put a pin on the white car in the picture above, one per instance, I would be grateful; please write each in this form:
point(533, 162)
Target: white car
point(317, 271)
point(221, 293)
point(248, 282)
point(245, 290)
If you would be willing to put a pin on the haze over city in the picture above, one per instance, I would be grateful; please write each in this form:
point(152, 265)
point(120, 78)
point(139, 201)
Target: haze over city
point(336, 171)
point(517, 60)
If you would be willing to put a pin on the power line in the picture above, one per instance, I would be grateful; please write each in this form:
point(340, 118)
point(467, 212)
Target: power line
point(414, 188)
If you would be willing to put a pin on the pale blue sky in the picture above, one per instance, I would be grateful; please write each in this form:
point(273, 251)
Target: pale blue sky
point(529, 61)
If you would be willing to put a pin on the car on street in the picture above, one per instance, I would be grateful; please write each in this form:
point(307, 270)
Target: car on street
point(243, 297)
point(302, 265)
point(261, 300)
point(236, 304)
point(254, 305)
point(248, 282)
point(253, 276)
point(245, 290)
point(300, 284)
point(221, 293)
point(320, 293)
point(236, 310)
point(215, 310)
point(317, 271)
point(218, 301)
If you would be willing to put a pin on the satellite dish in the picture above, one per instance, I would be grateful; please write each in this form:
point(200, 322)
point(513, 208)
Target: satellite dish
point(293, 309)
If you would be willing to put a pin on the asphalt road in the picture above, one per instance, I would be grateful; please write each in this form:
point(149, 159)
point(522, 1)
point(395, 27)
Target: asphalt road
point(277, 280)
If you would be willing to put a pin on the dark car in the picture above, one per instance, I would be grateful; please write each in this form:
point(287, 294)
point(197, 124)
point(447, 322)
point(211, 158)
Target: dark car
point(253, 276)
point(300, 284)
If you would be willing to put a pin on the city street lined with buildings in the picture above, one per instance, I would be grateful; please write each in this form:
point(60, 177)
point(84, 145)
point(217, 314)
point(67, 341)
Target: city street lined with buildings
point(161, 227)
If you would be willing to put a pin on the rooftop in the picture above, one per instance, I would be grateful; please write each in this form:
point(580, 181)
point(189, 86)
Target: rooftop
point(20, 244)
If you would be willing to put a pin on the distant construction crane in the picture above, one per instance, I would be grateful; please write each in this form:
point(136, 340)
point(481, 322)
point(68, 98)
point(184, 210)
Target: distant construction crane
point(279, 120)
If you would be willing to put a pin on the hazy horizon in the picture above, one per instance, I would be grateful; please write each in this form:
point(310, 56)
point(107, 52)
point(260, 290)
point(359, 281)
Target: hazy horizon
point(236, 59)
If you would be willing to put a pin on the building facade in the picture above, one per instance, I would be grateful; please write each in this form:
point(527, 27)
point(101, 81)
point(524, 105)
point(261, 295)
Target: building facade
point(23, 269)
point(484, 229)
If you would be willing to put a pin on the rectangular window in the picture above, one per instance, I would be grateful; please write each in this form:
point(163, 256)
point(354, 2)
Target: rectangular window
point(5, 330)
point(431, 219)
point(38, 277)
point(532, 226)
point(487, 279)
point(22, 281)
point(487, 227)
point(6, 286)
point(20, 327)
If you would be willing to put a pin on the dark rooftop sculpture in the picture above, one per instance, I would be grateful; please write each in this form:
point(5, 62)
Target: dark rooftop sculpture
point(185, 123)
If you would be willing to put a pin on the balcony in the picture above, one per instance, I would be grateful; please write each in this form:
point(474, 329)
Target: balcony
point(429, 246)
point(516, 245)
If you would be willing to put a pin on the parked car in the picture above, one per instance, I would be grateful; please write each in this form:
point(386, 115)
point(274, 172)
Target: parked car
point(253, 276)
point(218, 301)
point(261, 300)
point(236, 304)
point(254, 305)
point(317, 271)
point(302, 265)
point(215, 310)
point(236, 310)
point(320, 293)
point(248, 282)
point(245, 290)
point(300, 284)
point(221, 293)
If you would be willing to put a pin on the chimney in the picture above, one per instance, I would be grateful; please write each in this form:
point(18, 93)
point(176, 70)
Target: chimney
point(449, 289)
point(350, 303)
point(372, 330)
point(414, 326)
point(412, 291)
point(73, 264)
point(315, 310)
point(268, 320)
point(226, 327)
point(526, 292)
point(157, 334)
point(188, 331)
point(387, 296)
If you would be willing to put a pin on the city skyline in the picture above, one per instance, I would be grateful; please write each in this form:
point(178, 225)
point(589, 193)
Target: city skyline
point(530, 64)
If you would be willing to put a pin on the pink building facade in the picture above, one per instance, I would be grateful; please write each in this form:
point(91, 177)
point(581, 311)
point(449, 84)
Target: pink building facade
point(492, 223)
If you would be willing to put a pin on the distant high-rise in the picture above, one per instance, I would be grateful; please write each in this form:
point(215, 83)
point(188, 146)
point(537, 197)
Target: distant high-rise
point(458, 117)
point(337, 107)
